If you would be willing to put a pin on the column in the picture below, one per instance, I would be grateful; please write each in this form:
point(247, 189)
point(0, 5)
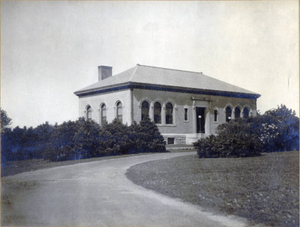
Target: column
point(130, 107)
point(207, 122)
point(151, 111)
point(233, 113)
point(194, 120)
point(175, 114)
point(163, 114)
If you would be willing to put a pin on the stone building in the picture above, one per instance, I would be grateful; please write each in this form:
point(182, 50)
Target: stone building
point(184, 105)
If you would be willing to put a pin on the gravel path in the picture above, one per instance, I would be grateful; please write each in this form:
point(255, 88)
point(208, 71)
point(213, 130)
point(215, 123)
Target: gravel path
point(97, 194)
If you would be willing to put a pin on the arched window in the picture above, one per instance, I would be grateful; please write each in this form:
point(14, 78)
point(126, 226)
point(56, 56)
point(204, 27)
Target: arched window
point(145, 109)
point(103, 114)
point(228, 113)
point(246, 112)
point(119, 111)
point(157, 113)
point(169, 113)
point(237, 112)
point(88, 112)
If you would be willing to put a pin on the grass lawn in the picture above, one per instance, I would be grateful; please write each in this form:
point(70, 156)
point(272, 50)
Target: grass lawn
point(264, 189)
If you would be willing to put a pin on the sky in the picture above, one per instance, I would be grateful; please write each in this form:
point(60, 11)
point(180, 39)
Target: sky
point(50, 49)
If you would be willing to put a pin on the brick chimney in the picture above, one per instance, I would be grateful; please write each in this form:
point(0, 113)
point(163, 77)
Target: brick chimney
point(104, 72)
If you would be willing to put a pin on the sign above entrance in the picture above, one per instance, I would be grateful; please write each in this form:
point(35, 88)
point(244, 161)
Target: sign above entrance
point(201, 99)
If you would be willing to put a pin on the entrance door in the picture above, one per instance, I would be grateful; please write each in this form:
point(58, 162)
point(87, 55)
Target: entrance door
point(200, 119)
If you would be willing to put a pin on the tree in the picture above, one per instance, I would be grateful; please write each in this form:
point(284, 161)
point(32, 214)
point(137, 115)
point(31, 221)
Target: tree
point(5, 120)
point(279, 129)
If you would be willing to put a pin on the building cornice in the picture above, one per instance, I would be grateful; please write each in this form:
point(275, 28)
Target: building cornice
point(157, 87)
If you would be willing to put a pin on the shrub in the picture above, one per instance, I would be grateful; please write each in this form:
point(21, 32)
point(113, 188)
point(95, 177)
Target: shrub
point(276, 130)
point(115, 138)
point(146, 137)
point(234, 139)
point(61, 142)
point(44, 134)
point(73, 140)
point(17, 144)
point(7, 146)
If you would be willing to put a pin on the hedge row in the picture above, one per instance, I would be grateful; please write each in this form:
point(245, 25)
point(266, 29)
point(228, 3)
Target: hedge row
point(79, 140)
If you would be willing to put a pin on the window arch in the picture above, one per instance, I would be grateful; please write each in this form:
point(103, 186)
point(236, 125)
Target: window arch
point(246, 112)
point(89, 112)
point(157, 113)
point(103, 114)
point(119, 111)
point(169, 113)
point(228, 113)
point(237, 112)
point(145, 109)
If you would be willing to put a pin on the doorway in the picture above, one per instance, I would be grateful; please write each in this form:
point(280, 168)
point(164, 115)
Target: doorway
point(200, 119)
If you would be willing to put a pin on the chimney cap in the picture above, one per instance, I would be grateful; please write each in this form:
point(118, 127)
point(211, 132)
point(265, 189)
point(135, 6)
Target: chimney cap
point(104, 66)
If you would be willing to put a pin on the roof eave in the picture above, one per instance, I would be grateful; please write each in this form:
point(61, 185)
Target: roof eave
point(93, 90)
point(132, 85)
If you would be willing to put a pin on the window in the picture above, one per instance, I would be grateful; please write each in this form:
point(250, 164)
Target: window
point(145, 109)
point(186, 111)
point(103, 114)
point(89, 112)
point(157, 113)
point(119, 111)
point(215, 115)
point(169, 113)
point(237, 113)
point(228, 113)
point(171, 140)
point(246, 112)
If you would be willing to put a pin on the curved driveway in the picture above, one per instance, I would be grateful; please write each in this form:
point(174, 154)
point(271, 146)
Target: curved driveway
point(98, 194)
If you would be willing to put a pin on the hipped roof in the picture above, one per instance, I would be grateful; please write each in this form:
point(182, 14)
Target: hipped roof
point(149, 76)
